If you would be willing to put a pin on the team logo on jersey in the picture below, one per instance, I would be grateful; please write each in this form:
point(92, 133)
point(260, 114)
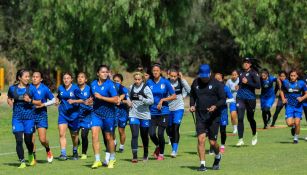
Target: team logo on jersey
point(290, 90)
point(197, 87)
point(247, 74)
point(210, 86)
point(237, 105)
point(162, 86)
point(61, 93)
point(85, 94)
point(39, 92)
point(102, 88)
point(151, 87)
point(71, 94)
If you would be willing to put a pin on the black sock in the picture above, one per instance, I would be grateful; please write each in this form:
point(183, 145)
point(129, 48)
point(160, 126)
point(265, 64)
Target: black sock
point(153, 136)
point(145, 140)
point(223, 134)
point(19, 147)
point(29, 143)
point(176, 134)
point(135, 135)
point(84, 137)
point(275, 116)
point(47, 148)
point(161, 139)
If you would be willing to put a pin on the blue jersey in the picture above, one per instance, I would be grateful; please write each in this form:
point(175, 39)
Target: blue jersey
point(305, 80)
point(69, 110)
point(122, 90)
point(161, 89)
point(267, 87)
point(45, 95)
point(85, 110)
point(21, 109)
point(228, 95)
point(247, 91)
point(293, 90)
point(107, 89)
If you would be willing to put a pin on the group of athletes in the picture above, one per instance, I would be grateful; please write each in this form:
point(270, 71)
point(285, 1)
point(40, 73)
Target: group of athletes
point(152, 105)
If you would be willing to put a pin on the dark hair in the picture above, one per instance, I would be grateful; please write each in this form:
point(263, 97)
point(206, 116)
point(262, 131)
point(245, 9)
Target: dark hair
point(120, 76)
point(156, 65)
point(266, 71)
point(46, 79)
point(294, 70)
point(19, 74)
point(83, 74)
point(102, 66)
point(173, 69)
point(67, 73)
point(218, 73)
point(282, 72)
point(254, 63)
point(235, 71)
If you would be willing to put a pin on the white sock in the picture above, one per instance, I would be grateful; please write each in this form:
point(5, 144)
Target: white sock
point(203, 162)
point(295, 137)
point(97, 157)
point(107, 158)
point(121, 146)
point(162, 155)
point(218, 156)
point(235, 127)
point(115, 142)
point(222, 146)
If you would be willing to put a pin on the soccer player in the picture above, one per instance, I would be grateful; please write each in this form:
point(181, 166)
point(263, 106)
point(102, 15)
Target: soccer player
point(163, 92)
point(139, 115)
point(206, 99)
point(68, 99)
point(282, 75)
point(176, 108)
point(293, 93)
point(224, 111)
point(22, 96)
point(305, 101)
point(85, 111)
point(41, 116)
point(233, 84)
point(105, 99)
point(267, 96)
point(246, 98)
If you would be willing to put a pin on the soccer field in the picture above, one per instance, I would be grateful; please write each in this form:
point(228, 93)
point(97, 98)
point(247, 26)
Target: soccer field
point(274, 153)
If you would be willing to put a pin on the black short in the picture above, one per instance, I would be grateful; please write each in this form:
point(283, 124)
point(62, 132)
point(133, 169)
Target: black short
point(159, 120)
point(209, 126)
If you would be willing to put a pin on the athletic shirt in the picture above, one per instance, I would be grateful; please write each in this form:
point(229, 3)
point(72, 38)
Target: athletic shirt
point(23, 110)
point(122, 109)
point(70, 111)
point(107, 89)
point(140, 108)
point(85, 110)
point(181, 88)
point(267, 87)
point(161, 89)
point(293, 90)
point(305, 80)
point(228, 95)
point(247, 91)
point(45, 95)
point(232, 85)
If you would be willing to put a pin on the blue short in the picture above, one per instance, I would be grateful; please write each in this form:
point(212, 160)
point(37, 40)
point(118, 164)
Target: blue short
point(121, 122)
point(108, 124)
point(232, 107)
point(85, 122)
point(73, 125)
point(224, 117)
point(137, 121)
point(25, 126)
point(175, 117)
point(267, 102)
point(43, 123)
point(294, 112)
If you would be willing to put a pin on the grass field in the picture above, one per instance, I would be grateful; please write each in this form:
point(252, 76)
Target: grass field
point(274, 153)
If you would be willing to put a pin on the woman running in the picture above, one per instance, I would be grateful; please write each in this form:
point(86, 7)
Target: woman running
point(163, 92)
point(139, 114)
point(282, 75)
point(246, 98)
point(41, 116)
point(68, 99)
point(22, 97)
point(293, 93)
point(105, 99)
point(85, 112)
point(176, 108)
point(267, 96)
point(233, 84)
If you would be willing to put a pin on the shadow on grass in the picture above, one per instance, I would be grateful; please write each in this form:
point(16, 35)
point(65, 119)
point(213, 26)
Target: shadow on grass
point(191, 152)
point(41, 161)
point(194, 167)
point(286, 142)
point(235, 146)
point(12, 164)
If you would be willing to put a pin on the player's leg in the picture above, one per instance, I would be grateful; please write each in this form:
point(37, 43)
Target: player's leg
point(153, 135)
point(161, 128)
point(177, 118)
point(144, 129)
point(134, 126)
point(276, 113)
point(84, 138)
point(250, 111)
point(241, 112)
point(28, 134)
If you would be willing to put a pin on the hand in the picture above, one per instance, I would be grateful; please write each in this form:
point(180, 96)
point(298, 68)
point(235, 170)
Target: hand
point(141, 97)
point(70, 101)
point(284, 101)
point(118, 102)
point(98, 96)
point(192, 109)
point(128, 103)
point(237, 87)
point(89, 101)
point(27, 98)
point(212, 108)
point(57, 102)
point(244, 80)
point(300, 99)
point(160, 104)
point(40, 106)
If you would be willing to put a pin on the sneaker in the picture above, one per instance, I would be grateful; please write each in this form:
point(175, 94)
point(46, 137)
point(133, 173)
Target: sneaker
point(111, 163)
point(202, 168)
point(305, 138)
point(96, 164)
point(269, 122)
point(240, 142)
point(173, 154)
point(75, 156)
point(211, 152)
point(254, 139)
point(265, 127)
point(216, 164)
point(292, 131)
point(120, 150)
point(145, 159)
point(105, 163)
point(31, 159)
point(62, 157)
point(222, 149)
point(160, 157)
point(295, 141)
point(49, 157)
point(134, 160)
point(83, 157)
point(157, 152)
point(22, 165)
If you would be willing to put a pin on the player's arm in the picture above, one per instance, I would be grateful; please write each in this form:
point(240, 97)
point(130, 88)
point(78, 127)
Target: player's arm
point(193, 96)
point(113, 99)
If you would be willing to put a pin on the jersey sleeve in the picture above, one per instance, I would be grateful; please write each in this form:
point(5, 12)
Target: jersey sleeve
point(77, 93)
point(112, 90)
point(221, 95)
point(193, 93)
point(10, 93)
point(228, 92)
point(34, 93)
point(170, 88)
point(49, 94)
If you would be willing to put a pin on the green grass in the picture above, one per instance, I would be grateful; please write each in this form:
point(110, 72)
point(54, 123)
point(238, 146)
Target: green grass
point(274, 153)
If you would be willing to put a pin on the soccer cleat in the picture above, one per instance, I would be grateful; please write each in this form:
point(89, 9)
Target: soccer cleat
point(240, 142)
point(216, 164)
point(211, 152)
point(202, 168)
point(265, 127)
point(235, 131)
point(292, 131)
point(75, 156)
point(160, 157)
point(120, 150)
point(254, 139)
point(111, 163)
point(83, 157)
point(295, 141)
point(31, 159)
point(96, 164)
point(22, 165)
point(49, 157)
point(222, 149)
point(62, 157)
point(105, 163)
point(134, 160)
point(157, 152)
point(173, 154)
point(145, 159)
